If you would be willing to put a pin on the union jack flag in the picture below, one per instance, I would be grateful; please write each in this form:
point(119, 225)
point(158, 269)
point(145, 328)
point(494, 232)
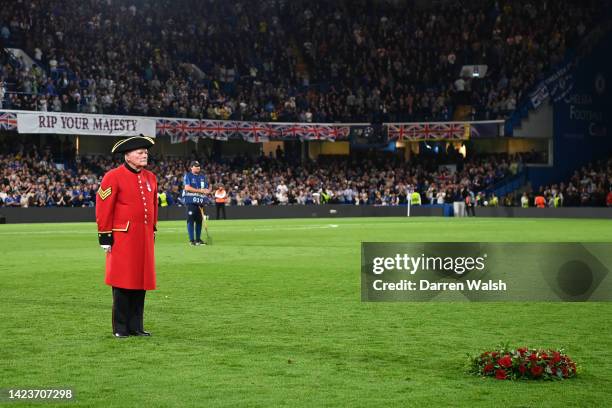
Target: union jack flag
point(317, 132)
point(188, 129)
point(294, 131)
point(254, 132)
point(221, 129)
point(179, 130)
point(428, 131)
point(8, 121)
point(183, 130)
point(273, 131)
point(165, 127)
point(213, 129)
point(340, 132)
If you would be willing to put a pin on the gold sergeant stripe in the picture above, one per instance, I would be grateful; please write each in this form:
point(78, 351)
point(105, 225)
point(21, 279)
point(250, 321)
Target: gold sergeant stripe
point(104, 194)
point(119, 143)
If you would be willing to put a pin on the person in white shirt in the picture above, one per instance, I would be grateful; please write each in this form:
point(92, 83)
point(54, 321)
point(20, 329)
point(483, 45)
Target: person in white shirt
point(281, 193)
point(524, 201)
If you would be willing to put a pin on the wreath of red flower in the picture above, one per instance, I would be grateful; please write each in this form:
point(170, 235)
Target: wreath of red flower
point(505, 363)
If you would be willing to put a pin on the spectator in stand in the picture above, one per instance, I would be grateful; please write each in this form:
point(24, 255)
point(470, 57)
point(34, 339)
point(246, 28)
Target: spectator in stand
point(587, 187)
point(525, 200)
point(363, 61)
point(34, 177)
point(540, 201)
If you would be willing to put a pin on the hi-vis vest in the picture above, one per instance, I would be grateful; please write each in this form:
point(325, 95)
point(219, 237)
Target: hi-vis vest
point(557, 201)
point(163, 199)
point(415, 198)
point(220, 196)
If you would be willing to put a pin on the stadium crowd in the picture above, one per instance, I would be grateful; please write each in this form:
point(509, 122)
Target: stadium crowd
point(283, 60)
point(30, 177)
point(590, 186)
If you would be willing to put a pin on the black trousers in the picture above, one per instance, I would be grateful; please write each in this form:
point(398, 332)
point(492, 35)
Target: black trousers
point(469, 208)
point(128, 310)
point(193, 213)
point(220, 208)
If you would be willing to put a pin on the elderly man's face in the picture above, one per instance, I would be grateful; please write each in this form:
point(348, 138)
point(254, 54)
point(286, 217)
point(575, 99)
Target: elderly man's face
point(137, 158)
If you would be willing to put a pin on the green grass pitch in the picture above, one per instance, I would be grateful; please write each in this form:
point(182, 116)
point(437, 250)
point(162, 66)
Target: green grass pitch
point(270, 316)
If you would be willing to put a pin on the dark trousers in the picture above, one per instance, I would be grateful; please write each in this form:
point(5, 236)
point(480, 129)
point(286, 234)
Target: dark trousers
point(128, 310)
point(469, 208)
point(220, 209)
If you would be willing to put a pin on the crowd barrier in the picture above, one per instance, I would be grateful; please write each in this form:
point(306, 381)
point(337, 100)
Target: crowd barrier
point(36, 215)
point(33, 215)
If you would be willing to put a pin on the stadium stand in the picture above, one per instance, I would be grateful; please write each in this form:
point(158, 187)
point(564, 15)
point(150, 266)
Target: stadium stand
point(276, 60)
point(31, 177)
point(590, 186)
point(288, 61)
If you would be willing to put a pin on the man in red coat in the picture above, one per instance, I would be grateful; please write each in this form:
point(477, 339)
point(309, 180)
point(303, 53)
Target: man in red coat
point(126, 214)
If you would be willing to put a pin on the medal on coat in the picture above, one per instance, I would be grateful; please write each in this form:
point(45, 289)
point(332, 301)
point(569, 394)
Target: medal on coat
point(148, 186)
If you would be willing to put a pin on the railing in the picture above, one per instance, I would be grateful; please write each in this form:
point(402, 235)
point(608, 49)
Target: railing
point(509, 184)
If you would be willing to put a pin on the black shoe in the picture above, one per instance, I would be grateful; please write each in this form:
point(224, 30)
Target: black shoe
point(120, 335)
point(140, 333)
point(200, 242)
point(193, 243)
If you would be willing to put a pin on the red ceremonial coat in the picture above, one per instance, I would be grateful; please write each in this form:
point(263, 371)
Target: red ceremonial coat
point(126, 213)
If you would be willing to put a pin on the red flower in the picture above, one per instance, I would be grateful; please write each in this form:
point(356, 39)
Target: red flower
point(505, 362)
point(500, 374)
point(536, 371)
point(524, 363)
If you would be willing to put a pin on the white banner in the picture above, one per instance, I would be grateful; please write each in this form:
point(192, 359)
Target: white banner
point(84, 124)
point(557, 86)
